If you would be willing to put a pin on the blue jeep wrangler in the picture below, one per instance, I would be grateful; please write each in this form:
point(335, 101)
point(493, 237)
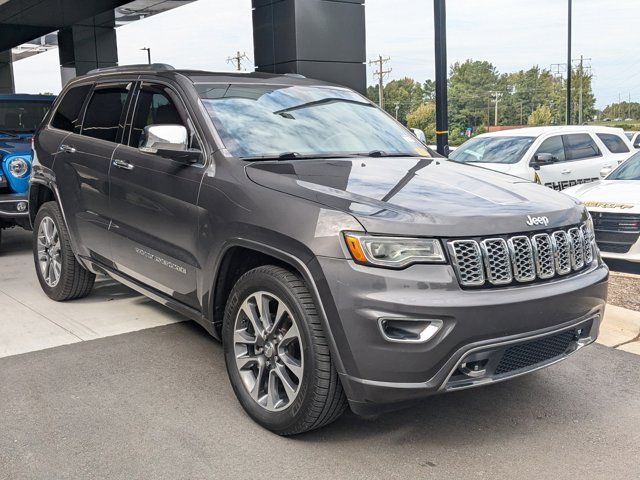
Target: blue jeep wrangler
point(20, 116)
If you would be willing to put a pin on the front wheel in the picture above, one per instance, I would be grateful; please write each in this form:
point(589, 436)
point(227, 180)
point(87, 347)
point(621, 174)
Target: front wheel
point(277, 355)
point(60, 275)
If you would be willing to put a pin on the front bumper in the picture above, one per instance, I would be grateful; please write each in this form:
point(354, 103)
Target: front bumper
point(484, 322)
point(14, 206)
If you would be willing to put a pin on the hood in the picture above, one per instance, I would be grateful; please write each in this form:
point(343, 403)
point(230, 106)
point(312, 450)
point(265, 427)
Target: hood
point(622, 195)
point(417, 196)
point(15, 147)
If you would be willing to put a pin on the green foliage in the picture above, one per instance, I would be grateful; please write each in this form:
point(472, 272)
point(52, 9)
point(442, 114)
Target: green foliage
point(622, 110)
point(470, 84)
point(540, 116)
point(424, 118)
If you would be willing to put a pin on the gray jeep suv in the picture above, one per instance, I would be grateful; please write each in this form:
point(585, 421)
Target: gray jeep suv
point(340, 262)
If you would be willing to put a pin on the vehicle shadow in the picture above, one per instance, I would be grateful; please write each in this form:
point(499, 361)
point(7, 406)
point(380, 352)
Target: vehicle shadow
point(15, 241)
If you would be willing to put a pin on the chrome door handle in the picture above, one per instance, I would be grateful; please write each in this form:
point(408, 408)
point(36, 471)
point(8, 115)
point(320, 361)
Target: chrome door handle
point(67, 149)
point(122, 164)
point(566, 172)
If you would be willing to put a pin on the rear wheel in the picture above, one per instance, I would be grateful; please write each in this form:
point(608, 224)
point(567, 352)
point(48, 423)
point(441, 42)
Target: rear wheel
point(276, 353)
point(60, 275)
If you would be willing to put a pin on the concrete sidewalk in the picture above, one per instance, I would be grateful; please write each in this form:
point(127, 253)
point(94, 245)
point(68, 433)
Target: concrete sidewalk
point(621, 329)
point(30, 321)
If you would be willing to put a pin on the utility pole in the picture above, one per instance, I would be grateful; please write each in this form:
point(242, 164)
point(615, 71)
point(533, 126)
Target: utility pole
point(397, 109)
point(381, 73)
point(496, 97)
point(237, 60)
point(442, 102)
point(569, 64)
point(581, 71)
point(148, 54)
point(629, 106)
point(521, 113)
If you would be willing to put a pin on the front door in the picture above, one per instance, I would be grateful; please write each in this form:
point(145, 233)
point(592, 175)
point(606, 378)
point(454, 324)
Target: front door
point(154, 203)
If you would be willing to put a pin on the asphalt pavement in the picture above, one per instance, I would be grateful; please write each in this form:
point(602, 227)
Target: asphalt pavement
point(156, 404)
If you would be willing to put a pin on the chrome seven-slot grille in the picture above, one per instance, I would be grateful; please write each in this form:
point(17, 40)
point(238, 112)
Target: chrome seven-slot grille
point(522, 258)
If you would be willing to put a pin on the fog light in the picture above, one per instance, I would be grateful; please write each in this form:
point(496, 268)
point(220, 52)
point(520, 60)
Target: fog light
point(474, 369)
point(22, 206)
point(409, 330)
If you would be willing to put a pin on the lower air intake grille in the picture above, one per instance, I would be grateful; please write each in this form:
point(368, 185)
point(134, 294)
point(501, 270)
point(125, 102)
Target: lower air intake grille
point(532, 353)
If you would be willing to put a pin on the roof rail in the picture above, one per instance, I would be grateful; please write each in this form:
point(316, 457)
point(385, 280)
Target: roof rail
point(154, 67)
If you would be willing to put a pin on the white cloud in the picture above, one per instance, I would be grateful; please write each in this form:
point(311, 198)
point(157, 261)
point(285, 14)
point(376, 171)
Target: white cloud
point(512, 34)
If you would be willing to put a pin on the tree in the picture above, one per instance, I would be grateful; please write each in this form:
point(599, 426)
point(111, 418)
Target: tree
point(470, 87)
point(406, 93)
point(540, 116)
point(424, 118)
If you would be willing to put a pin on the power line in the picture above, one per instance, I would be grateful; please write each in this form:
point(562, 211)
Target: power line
point(381, 73)
point(237, 60)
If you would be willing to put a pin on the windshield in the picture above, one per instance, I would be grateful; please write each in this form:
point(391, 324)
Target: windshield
point(492, 150)
point(629, 170)
point(22, 116)
point(257, 121)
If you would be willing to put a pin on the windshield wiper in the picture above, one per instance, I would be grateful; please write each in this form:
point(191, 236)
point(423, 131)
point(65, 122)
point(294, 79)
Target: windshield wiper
point(382, 153)
point(297, 156)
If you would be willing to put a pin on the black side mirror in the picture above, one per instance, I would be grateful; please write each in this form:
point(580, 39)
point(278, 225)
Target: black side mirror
point(541, 159)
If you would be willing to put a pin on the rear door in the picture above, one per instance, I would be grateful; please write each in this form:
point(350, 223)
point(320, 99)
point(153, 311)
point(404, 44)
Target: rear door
point(578, 160)
point(154, 201)
point(82, 166)
point(616, 149)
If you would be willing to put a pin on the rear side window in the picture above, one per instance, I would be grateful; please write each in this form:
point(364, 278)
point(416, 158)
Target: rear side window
point(614, 143)
point(553, 146)
point(104, 113)
point(68, 113)
point(580, 145)
point(155, 106)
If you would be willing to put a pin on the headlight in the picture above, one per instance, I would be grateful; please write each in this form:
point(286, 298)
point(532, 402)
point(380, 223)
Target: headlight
point(18, 167)
point(393, 252)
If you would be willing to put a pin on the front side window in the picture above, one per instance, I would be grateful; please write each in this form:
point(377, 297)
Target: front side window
point(104, 113)
point(580, 145)
point(68, 112)
point(262, 121)
point(553, 146)
point(497, 149)
point(614, 143)
point(629, 170)
point(154, 106)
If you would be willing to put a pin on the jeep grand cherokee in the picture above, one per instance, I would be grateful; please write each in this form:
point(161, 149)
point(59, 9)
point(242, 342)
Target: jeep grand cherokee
point(340, 262)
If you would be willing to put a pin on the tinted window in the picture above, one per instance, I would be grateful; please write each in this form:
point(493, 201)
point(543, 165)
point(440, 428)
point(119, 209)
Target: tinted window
point(614, 143)
point(104, 112)
point(154, 107)
point(492, 150)
point(22, 116)
point(553, 146)
point(580, 145)
point(629, 135)
point(66, 117)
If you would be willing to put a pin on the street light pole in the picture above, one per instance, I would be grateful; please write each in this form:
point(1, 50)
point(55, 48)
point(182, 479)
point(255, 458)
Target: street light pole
point(148, 54)
point(442, 117)
point(569, 64)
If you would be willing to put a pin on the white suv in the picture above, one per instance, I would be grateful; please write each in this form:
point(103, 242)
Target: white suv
point(558, 157)
point(634, 138)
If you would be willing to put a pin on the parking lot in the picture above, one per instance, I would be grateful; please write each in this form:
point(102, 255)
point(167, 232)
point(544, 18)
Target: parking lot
point(130, 390)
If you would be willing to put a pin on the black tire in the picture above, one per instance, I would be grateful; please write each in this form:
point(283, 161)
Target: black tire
point(320, 399)
point(75, 281)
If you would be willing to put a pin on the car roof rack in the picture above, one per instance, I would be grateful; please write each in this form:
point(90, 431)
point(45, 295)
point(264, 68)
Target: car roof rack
point(153, 67)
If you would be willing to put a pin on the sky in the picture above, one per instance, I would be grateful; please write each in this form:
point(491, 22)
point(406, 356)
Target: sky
point(511, 34)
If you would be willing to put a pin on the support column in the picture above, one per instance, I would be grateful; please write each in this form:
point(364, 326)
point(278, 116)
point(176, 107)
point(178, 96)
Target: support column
point(7, 84)
point(323, 39)
point(88, 44)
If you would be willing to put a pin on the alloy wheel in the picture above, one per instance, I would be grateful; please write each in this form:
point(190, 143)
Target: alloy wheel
point(49, 254)
point(268, 351)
